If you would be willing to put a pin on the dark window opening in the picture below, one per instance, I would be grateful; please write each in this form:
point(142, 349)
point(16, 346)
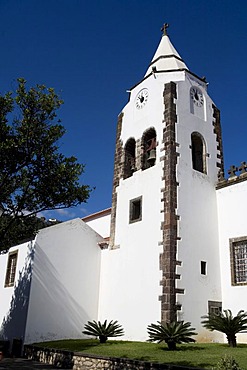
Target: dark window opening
point(214, 307)
point(149, 149)
point(203, 268)
point(135, 210)
point(129, 158)
point(198, 156)
point(11, 269)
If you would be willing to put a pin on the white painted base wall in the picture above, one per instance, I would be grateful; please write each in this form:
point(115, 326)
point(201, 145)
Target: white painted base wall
point(232, 210)
point(62, 267)
point(130, 288)
point(15, 299)
point(73, 280)
point(65, 282)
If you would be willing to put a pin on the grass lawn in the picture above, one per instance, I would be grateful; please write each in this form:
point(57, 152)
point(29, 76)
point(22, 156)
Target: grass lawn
point(198, 354)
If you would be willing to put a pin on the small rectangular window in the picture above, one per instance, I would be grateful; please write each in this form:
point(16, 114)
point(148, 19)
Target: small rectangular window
point(135, 212)
point(203, 268)
point(214, 307)
point(11, 269)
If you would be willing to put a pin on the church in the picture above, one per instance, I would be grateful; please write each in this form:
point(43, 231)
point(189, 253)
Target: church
point(173, 245)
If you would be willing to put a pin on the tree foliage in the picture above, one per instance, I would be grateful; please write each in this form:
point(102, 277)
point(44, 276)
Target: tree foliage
point(172, 333)
point(226, 323)
point(103, 331)
point(34, 175)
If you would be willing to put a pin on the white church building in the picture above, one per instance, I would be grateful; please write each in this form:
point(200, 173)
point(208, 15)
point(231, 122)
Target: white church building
point(173, 245)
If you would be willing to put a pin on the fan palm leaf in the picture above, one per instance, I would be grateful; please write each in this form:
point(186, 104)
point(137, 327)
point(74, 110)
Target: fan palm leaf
point(226, 323)
point(172, 333)
point(103, 330)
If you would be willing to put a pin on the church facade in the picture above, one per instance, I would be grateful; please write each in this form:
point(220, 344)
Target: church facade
point(173, 245)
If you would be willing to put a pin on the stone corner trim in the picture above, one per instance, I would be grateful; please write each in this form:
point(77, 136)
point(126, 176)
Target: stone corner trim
point(218, 133)
point(169, 226)
point(116, 179)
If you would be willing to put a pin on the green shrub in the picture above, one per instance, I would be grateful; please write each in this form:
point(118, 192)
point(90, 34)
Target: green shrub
point(103, 331)
point(227, 363)
point(172, 333)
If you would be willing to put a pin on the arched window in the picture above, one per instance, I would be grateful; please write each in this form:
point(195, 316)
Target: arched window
point(149, 148)
point(129, 158)
point(198, 152)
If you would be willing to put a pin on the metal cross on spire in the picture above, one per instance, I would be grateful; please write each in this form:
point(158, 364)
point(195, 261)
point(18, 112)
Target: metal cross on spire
point(164, 29)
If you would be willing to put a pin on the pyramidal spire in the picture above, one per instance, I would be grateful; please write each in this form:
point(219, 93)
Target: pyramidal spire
point(166, 57)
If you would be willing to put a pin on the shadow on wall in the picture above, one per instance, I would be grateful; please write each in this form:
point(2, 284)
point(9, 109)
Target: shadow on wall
point(14, 323)
point(59, 313)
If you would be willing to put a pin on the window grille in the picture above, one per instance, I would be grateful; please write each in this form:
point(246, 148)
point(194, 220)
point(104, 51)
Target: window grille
point(11, 269)
point(214, 307)
point(240, 261)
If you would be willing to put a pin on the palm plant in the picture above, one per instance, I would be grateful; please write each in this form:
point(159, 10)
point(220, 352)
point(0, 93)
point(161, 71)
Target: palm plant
point(172, 333)
point(226, 323)
point(103, 331)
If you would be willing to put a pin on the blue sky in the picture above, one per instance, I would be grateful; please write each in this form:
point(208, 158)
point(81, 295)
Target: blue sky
point(91, 52)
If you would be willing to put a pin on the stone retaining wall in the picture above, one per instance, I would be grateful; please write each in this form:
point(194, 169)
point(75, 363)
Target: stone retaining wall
point(80, 361)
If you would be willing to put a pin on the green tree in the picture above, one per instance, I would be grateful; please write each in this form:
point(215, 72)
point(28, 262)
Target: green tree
point(34, 175)
point(226, 323)
point(103, 331)
point(172, 333)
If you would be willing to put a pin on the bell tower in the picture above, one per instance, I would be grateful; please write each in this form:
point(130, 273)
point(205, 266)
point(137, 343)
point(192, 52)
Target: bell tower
point(163, 263)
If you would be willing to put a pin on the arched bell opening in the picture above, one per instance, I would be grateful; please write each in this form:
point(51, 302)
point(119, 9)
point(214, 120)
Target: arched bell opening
point(129, 158)
point(198, 149)
point(149, 144)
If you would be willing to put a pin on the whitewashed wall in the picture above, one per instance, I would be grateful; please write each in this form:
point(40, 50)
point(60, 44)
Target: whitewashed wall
point(65, 283)
point(130, 274)
point(14, 300)
point(232, 212)
point(101, 224)
point(197, 209)
point(130, 280)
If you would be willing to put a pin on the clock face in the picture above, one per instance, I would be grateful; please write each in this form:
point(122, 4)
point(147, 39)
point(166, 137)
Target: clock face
point(141, 99)
point(196, 96)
